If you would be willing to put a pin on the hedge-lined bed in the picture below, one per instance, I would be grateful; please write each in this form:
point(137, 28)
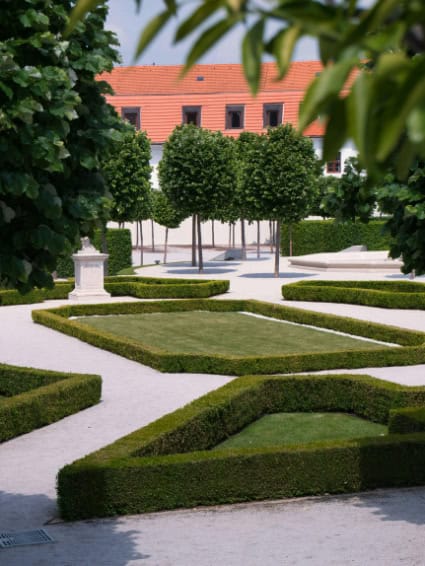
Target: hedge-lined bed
point(387, 294)
point(412, 350)
point(32, 398)
point(132, 286)
point(170, 464)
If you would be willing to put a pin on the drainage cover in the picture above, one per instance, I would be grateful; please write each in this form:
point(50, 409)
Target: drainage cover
point(8, 540)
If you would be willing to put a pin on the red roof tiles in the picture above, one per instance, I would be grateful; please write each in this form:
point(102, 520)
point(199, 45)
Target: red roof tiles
point(160, 94)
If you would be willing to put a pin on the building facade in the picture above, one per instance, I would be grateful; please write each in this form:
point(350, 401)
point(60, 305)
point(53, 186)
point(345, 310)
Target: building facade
point(156, 98)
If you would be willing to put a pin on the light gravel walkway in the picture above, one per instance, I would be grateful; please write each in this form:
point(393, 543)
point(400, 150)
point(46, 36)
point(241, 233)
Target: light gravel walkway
point(380, 528)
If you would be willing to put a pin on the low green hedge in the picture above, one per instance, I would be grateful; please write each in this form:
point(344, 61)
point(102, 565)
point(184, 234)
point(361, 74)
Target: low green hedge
point(132, 286)
point(407, 420)
point(387, 294)
point(316, 236)
point(118, 242)
point(169, 464)
point(412, 352)
point(32, 398)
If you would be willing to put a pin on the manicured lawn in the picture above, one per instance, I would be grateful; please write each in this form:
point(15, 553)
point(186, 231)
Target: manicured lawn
point(285, 429)
point(223, 333)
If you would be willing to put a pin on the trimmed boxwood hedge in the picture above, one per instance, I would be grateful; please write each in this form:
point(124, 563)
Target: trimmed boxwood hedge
point(387, 294)
point(118, 241)
point(412, 352)
point(32, 398)
point(169, 464)
point(133, 286)
point(316, 236)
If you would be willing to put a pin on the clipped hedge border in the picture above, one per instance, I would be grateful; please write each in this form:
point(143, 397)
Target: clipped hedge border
point(32, 398)
point(387, 294)
point(169, 464)
point(140, 287)
point(412, 352)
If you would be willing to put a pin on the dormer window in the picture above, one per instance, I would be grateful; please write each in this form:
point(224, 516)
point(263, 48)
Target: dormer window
point(334, 166)
point(132, 115)
point(235, 117)
point(191, 115)
point(272, 115)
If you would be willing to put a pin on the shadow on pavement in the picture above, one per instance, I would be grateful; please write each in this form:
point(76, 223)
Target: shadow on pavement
point(283, 275)
point(195, 271)
point(404, 504)
point(81, 543)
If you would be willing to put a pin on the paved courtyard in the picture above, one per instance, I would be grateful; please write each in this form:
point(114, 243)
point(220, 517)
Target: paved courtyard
point(386, 527)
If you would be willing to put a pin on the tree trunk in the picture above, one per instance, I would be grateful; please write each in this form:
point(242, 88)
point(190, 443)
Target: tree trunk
point(243, 239)
point(230, 235)
point(137, 235)
point(141, 242)
point(194, 240)
point(201, 260)
point(212, 234)
point(271, 235)
point(233, 234)
point(153, 236)
point(277, 250)
point(258, 239)
point(165, 245)
point(290, 240)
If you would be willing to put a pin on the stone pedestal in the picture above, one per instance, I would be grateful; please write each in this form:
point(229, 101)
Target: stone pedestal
point(89, 273)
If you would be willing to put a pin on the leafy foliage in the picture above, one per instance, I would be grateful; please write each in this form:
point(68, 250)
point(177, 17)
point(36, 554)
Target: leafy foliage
point(127, 172)
point(164, 213)
point(54, 126)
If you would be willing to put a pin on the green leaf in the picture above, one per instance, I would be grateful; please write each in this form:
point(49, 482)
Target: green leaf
point(252, 50)
point(207, 39)
point(80, 10)
point(282, 47)
point(197, 17)
point(336, 130)
point(151, 31)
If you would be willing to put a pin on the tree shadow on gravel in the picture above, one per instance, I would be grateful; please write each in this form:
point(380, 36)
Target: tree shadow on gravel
point(283, 275)
point(404, 504)
point(100, 541)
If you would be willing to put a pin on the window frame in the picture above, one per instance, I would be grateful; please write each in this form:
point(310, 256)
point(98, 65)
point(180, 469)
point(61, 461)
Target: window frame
point(334, 166)
point(230, 108)
point(192, 109)
point(132, 110)
point(272, 107)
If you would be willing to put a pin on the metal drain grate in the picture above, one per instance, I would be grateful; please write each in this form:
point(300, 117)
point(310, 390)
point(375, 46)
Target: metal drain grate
point(23, 538)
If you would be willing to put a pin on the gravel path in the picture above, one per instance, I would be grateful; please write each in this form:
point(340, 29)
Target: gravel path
point(381, 528)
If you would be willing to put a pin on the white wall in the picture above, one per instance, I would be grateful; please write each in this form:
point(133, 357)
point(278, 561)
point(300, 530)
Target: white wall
point(348, 150)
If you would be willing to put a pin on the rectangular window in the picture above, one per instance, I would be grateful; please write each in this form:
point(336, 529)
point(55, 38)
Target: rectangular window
point(235, 117)
point(191, 115)
point(272, 115)
point(132, 115)
point(334, 166)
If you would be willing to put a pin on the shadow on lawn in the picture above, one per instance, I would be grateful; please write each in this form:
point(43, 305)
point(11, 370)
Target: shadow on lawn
point(100, 541)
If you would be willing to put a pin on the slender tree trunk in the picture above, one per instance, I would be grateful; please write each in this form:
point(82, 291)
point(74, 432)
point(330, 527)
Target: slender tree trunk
point(290, 240)
point(166, 245)
point(137, 235)
point(141, 242)
point(277, 250)
point(153, 236)
point(271, 235)
point(194, 240)
point(212, 234)
point(233, 234)
point(243, 239)
point(201, 260)
point(230, 235)
point(258, 239)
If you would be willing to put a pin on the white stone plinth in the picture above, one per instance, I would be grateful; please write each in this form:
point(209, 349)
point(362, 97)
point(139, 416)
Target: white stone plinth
point(89, 273)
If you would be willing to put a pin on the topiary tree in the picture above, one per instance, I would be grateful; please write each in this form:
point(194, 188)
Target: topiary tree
point(197, 173)
point(165, 214)
point(290, 170)
point(54, 126)
point(127, 171)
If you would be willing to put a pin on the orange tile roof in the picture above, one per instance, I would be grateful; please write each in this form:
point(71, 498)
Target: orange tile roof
point(159, 93)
